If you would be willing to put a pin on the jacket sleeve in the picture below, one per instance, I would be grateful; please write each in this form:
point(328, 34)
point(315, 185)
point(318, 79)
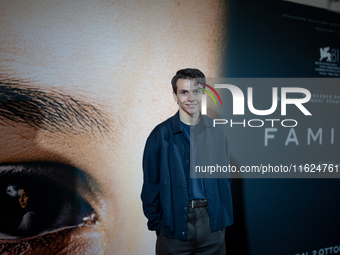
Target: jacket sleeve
point(151, 186)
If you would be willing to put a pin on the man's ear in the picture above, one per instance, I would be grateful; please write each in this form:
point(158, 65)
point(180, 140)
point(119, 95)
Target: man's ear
point(175, 97)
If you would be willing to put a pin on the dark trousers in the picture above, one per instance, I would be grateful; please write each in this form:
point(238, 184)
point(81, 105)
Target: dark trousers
point(200, 238)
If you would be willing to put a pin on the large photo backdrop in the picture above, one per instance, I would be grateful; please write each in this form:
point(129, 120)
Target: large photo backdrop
point(83, 83)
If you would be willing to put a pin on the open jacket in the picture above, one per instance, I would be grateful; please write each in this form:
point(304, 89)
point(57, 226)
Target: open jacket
point(166, 164)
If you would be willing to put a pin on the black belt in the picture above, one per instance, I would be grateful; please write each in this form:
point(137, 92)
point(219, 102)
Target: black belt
point(198, 203)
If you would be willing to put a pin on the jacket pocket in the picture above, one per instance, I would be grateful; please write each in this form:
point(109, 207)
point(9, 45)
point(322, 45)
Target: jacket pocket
point(166, 215)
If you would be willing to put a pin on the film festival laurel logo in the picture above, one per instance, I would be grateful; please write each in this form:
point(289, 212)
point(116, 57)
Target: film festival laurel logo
point(329, 55)
point(328, 62)
point(324, 53)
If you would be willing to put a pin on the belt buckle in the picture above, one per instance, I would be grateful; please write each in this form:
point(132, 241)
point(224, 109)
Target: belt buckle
point(192, 204)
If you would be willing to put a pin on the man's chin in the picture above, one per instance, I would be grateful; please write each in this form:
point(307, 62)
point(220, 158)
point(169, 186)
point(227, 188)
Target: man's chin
point(192, 111)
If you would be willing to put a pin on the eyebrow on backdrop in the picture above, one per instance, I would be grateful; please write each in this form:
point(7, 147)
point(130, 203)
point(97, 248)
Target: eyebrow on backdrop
point(50, 111)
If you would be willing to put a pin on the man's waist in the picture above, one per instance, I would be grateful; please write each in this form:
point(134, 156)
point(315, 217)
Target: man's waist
point(197, 203)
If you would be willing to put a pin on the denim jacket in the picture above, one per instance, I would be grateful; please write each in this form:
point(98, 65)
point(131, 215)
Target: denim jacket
point(166, 162)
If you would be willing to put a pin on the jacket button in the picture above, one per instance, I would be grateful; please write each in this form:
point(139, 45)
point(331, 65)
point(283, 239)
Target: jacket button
point(183, 233)
point(187, 183)
point(185, 208)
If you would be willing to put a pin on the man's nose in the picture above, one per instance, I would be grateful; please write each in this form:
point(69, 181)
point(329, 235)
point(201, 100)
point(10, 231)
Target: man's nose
point(190, 97)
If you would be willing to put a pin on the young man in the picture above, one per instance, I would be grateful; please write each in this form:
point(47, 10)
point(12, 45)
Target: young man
point(189, 214)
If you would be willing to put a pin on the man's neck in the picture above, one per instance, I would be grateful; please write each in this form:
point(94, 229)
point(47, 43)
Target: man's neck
point(189, 119)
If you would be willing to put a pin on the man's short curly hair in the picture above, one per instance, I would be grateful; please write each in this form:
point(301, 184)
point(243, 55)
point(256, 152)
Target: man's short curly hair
point(189, 74)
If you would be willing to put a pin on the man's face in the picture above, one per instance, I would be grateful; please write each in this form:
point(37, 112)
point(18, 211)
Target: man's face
point(189, 96)
point(86, 83)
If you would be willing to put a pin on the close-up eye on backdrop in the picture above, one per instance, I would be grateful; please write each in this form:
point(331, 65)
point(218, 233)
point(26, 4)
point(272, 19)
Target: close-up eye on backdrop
point(46, 204)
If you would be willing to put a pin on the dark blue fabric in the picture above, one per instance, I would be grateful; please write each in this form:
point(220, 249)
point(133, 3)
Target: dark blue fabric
point(165, 192)
point(196, 185)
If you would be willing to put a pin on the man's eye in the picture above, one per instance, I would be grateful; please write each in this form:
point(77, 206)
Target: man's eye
point(39, 198)
point(184, 92)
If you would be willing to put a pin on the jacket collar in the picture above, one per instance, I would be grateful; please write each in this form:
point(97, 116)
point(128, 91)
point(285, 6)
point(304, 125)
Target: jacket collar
point(176, 125)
